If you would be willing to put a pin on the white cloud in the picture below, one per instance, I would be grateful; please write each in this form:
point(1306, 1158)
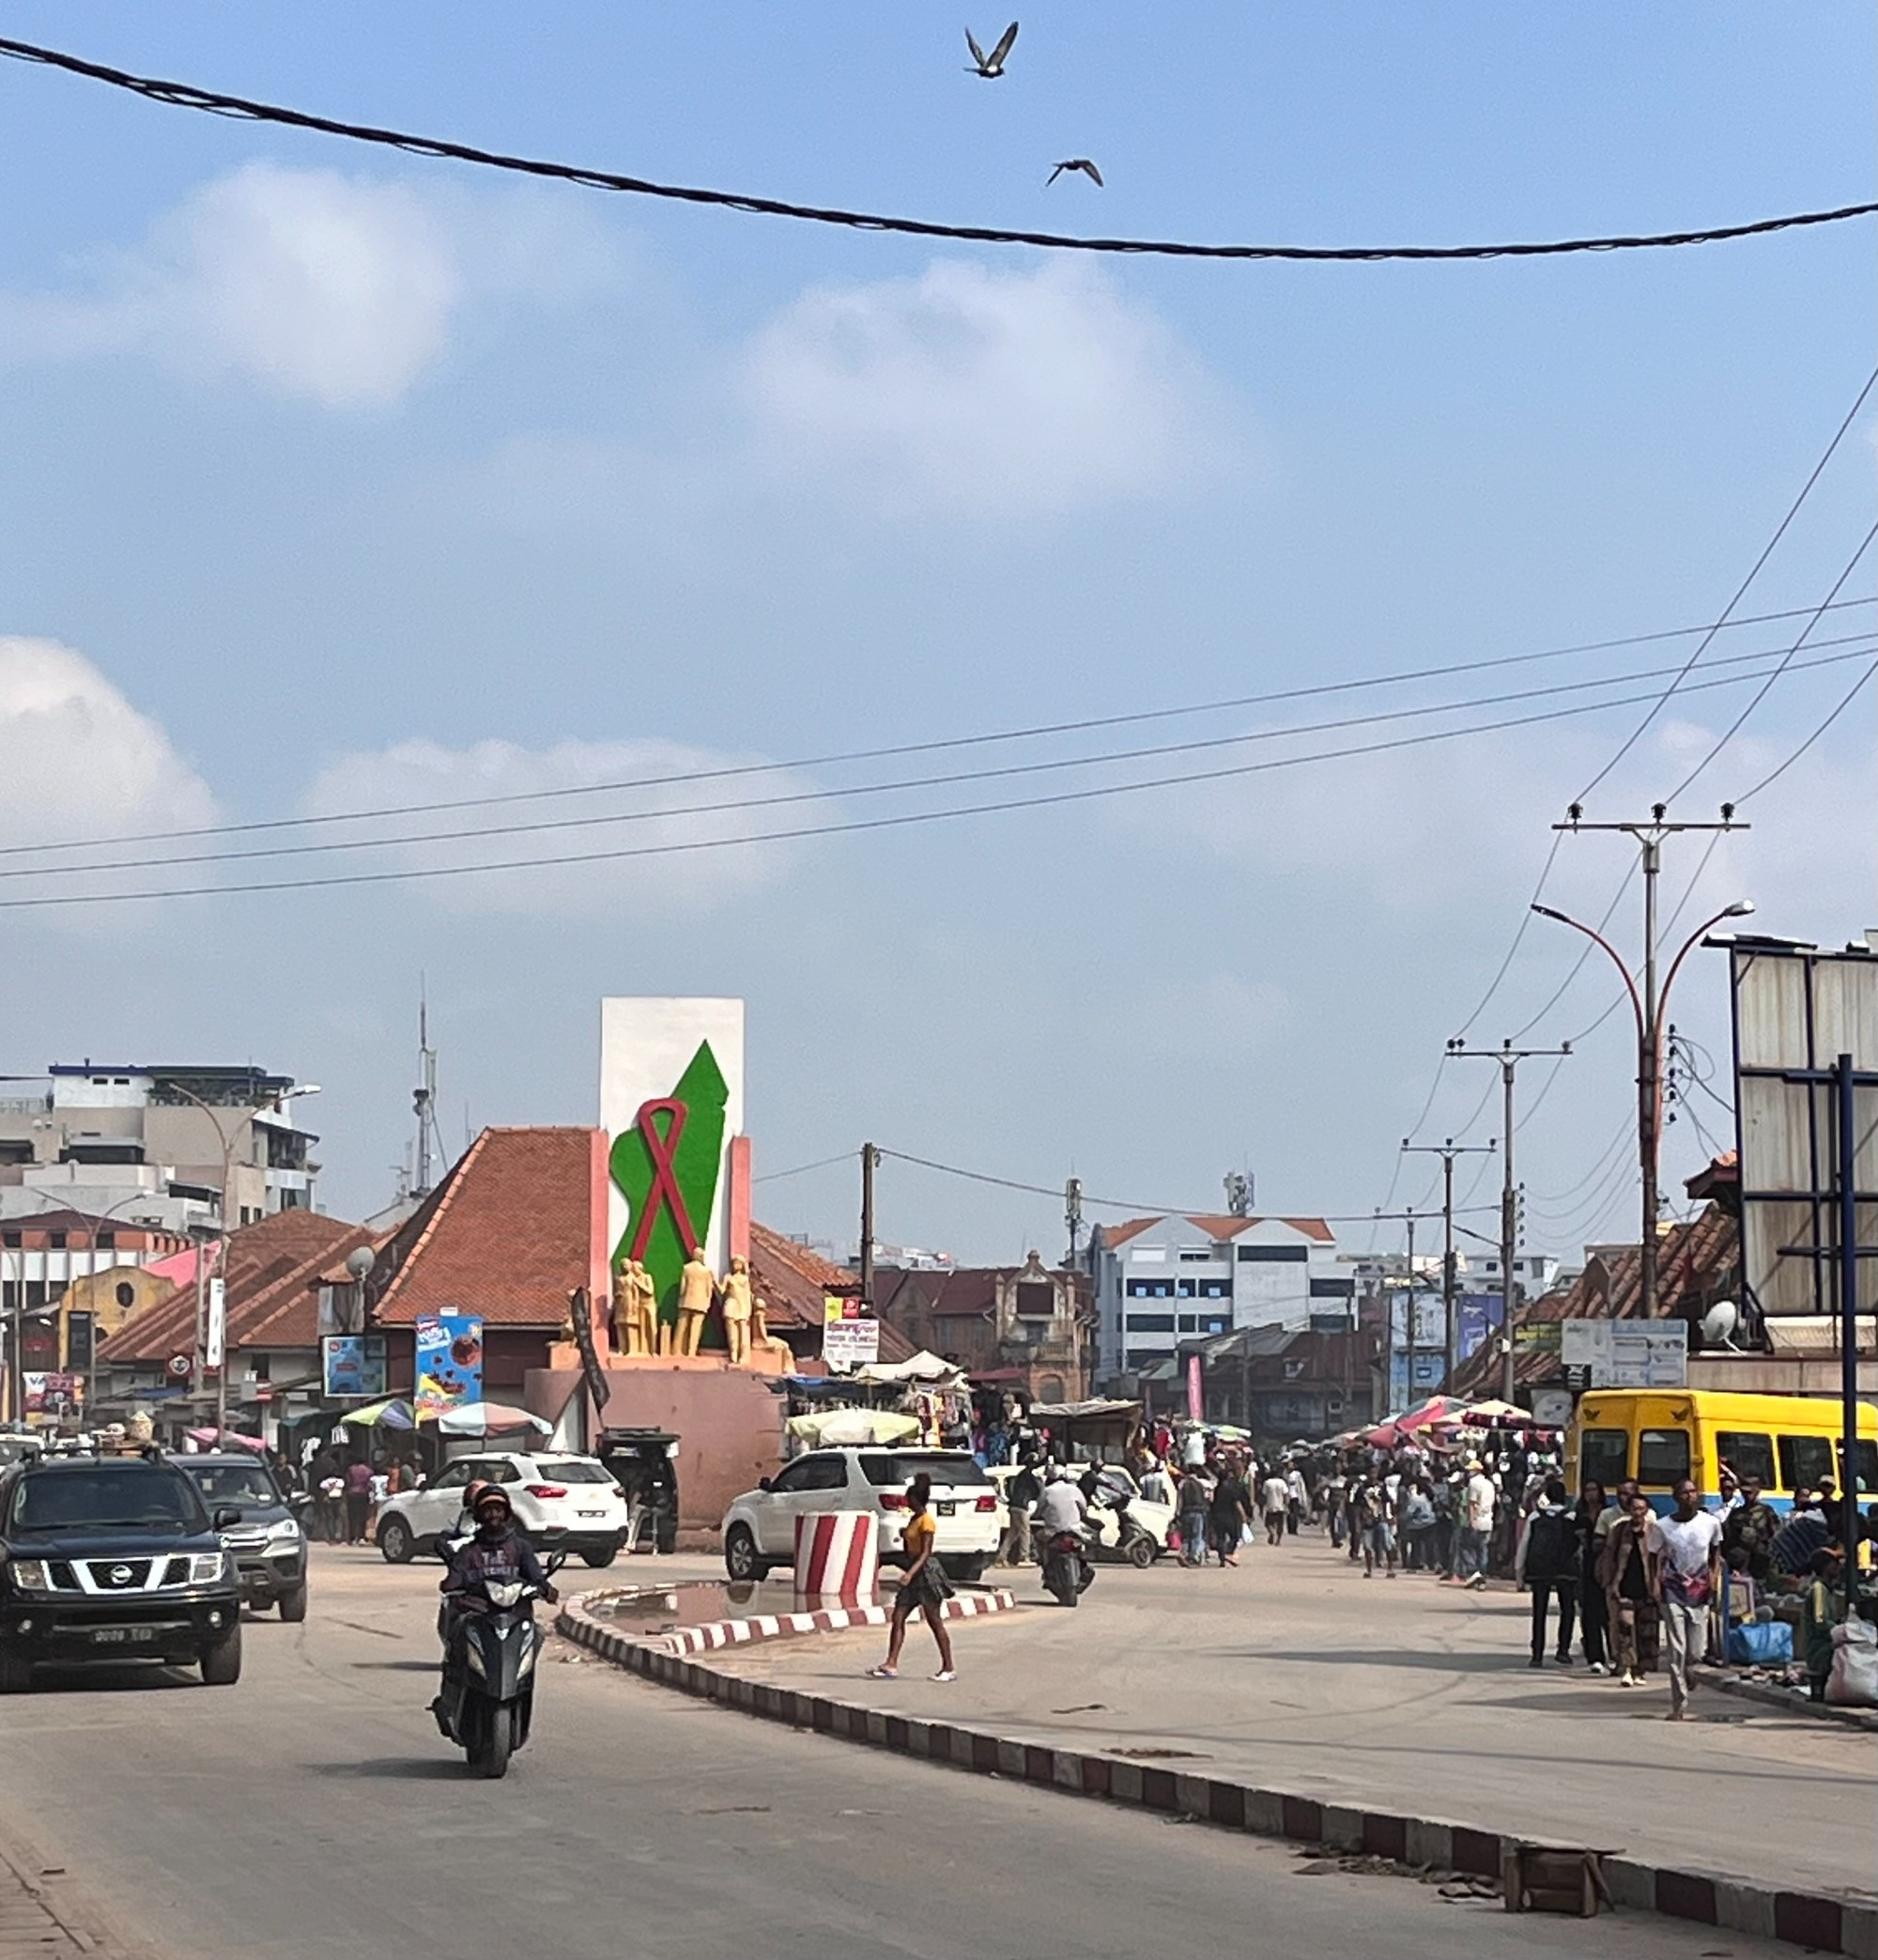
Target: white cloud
point(982, 392)
point(669, 881)
point(338, 289)
point(77, 760)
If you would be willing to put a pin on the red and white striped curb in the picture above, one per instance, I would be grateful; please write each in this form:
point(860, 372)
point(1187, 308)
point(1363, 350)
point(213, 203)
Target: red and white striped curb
point(581, 1626)
point(1828, 1922)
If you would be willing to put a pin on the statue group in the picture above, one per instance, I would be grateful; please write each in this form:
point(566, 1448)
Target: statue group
point(639, 1330)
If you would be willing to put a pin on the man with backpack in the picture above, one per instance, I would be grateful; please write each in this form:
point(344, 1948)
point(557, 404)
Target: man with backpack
point(1548, 1561)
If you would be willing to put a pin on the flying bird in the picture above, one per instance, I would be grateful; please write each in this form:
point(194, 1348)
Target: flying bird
point(989, 67)
point(1081, 164)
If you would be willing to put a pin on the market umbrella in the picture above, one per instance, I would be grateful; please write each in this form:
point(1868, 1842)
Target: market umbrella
point(486, 1419)
point(212, 1439)
point(393, 1413)
point(1490, 1413)
point(854, 1428)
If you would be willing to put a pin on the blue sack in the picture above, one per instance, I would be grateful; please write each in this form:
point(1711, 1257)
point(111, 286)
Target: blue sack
point(1761, 1644)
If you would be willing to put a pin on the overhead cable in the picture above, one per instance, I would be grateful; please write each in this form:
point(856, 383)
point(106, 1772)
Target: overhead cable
point(184, 95)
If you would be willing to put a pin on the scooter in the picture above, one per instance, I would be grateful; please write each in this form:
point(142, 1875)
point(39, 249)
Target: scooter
point(1066, 1570)
point(488, 1702)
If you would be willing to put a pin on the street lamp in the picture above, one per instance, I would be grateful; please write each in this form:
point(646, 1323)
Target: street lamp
point(1646, 1006)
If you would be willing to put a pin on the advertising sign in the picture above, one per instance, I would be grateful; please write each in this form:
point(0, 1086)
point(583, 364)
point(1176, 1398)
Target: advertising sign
point(218, 1324)
point(1627, 1354)
point(849, 1338)
point(49, 1394)
point(671, 1101)
point(449, 1363)
point(353, 1364)
point(1431, 1369)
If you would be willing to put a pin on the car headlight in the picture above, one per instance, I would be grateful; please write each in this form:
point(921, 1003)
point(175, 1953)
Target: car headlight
point(29, 1575)
point(283, 1533)
point(205, 1567)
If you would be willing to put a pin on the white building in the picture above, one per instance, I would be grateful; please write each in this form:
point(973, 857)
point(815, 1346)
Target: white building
point(1161, 1281)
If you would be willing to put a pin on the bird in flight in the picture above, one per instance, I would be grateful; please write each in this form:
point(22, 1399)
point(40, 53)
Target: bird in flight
point(1082, 164)
point(989, 67)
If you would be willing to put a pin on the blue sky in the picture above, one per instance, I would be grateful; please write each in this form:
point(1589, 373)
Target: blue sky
point(336, 479)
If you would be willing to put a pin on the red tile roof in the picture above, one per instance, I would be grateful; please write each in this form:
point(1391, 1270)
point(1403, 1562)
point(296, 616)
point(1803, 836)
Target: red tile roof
point(794, 1282)
point(507, 1235)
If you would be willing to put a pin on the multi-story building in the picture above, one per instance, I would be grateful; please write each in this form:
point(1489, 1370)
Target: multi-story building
point(1163, 1281)
point(164, 1144)
point(1021, 1327)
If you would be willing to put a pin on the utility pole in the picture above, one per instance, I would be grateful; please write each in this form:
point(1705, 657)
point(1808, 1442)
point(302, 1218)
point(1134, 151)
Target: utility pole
point(423, 1098)
point(869, 1157)
point(1408, 1373)
point(1446, 1151)
point(1072, 1214)
point(1647, 1003)
point(1509, 1058)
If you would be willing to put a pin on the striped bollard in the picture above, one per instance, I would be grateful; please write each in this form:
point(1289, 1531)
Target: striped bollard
point(838, 1558)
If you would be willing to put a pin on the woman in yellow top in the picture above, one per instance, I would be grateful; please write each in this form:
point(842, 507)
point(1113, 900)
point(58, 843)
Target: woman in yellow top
point(924, 1586)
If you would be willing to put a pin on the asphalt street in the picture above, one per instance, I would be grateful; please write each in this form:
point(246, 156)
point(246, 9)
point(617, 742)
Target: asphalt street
point(313, 1809)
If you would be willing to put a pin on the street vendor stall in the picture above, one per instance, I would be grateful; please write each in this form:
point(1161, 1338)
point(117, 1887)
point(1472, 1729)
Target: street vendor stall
point(1093, 1432)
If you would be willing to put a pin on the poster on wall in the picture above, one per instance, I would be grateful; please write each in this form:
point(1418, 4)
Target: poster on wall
point(849, 1337)
point(449, 1363)
point(671, 1101)
point(353, 1364)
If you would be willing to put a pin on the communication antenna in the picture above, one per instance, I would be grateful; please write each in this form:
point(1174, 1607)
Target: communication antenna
point(424, 1100)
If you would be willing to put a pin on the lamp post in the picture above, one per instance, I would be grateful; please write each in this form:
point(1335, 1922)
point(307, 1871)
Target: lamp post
point(1646, 1006)
point(94, 1220)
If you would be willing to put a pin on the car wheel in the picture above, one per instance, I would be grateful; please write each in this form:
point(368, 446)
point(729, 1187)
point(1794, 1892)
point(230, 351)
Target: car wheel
point(742, 1560)
point(16, 1674)
point(395, 1541)
point(1141, 1553)
point(293, 1605)
point(222, 1661)
point(604, 1556)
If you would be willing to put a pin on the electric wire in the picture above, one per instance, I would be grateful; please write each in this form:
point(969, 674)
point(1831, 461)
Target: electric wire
point(802, 1170)
point(1767, 551)
point(1851, 695)
point(184, 95)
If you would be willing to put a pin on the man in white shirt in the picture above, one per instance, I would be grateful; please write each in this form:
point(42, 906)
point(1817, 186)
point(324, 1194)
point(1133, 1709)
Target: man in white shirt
point(1061, 1508)
point(1478, 1500)
point(1685, 1552)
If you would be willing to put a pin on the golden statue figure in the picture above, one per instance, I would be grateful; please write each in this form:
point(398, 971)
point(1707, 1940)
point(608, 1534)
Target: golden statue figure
point(696, 1286)
point(625, 1311)
point(643, 1320)
point(765, 1345)
point(736, 1295)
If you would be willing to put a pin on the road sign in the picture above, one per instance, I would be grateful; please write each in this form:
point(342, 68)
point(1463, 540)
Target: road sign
point(178, 1368)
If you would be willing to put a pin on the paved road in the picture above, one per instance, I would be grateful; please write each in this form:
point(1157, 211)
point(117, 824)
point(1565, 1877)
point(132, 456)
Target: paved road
point(1298, 1673)
point(313, 1811)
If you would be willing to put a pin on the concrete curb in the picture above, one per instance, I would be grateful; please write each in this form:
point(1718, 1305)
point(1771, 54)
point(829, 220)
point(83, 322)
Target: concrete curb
point(1826, 1921)
point(1792, 1701)
point(715, 1634)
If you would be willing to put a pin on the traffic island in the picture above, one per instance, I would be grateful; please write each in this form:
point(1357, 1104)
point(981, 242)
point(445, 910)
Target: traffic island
point(1828, 1922)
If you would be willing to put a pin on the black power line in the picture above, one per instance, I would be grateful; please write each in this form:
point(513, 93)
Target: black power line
point(184, 95)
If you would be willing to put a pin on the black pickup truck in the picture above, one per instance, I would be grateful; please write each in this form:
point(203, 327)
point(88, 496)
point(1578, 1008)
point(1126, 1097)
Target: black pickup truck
point(114, 1559)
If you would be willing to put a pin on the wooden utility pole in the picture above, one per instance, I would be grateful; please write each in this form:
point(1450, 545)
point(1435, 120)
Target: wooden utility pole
point(869, 1157)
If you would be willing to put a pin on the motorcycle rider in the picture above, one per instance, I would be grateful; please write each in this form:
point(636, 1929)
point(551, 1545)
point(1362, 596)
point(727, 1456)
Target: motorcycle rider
point(1061, 1508)
point(498, 1555)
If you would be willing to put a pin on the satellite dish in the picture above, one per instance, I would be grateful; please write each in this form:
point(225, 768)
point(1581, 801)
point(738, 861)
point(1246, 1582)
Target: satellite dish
point(1719, 1322)
point(360, 1260)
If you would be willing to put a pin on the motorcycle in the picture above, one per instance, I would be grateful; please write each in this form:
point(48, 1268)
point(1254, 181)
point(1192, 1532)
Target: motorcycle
point(487, 1703)
point(1066, 1570)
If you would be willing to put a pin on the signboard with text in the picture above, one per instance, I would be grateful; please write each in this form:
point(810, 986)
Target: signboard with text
point(1627, 1354)
point(449, 1363)
point(849, 1337)
point(353, 1364)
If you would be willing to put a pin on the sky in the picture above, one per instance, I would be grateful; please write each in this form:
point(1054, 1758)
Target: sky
point(335, 479)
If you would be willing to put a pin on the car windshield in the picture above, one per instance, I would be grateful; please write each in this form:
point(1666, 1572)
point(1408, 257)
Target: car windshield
point(123, 1495)
point(886, 1469)
point(573, 1470)
point(234, 1482)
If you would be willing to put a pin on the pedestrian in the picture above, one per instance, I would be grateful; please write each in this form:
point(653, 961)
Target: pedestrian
point(1155, 1488)
point(1548, 1561)
point(1478, 1502)
point(1375, 1527)
point(380, 1489)
point(1191, 1510)
point(1274, 1500)
point(1687, 1552)
point(1331, 1491)
point(1823, 1608)
point(923, 1587)
point(358, 1499)
point(1728, 1485)
point(1594, 1609)
point(1228, 1514)
point(1749, 1531)
point(1022, 1491)
point(1418, 1526)
point(1624, 1568)
point(332, 1506)
point(1300, 1499)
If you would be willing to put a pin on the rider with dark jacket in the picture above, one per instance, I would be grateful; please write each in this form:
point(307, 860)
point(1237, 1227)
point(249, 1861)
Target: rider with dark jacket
point(498, 1555)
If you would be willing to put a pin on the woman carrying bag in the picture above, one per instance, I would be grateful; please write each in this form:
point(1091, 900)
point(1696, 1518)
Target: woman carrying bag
point(924, 1588)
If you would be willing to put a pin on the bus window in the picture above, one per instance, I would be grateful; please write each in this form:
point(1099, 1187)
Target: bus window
point(1747, 1453)
point(1804, 1459)
point(1867, 1464)
point(1662, 1456)
point(1604, 1456)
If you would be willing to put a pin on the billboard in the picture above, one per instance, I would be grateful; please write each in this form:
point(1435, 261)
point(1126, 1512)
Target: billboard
point(850, 1336)
point(1627, 1354)
point(353, 1364)
point(671, 1103)
point(448, 1368)
point(1797, 1009)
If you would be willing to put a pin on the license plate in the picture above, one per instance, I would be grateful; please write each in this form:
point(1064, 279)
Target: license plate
point(120, 1636)
point(593, 1514)
point(946, 1508)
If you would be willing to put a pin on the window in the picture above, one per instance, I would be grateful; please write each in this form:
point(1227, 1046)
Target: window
point(888, 1468)
point(1662, 1456)
point(1150, 1323)
point(1747, 1453)
point(1293, 1370)
point(499, 1472)
point(453, 1479)
point(104, 1494)
point(1189, 1325)
point(1273, 1255)
point(1151, 1289)
point(1186, 1288)
point(1333, 1289)
point(56, 1240)
point(794, 1477)
point(1220, 1289)
point(9, 1238)
point(1036, 1299)
point(1868, 1465)
point(1197, 1258)
point(105, 1241)
point(125, 1293)
point(1603, 1457)
point(1804, 1459)
point(821, 1474)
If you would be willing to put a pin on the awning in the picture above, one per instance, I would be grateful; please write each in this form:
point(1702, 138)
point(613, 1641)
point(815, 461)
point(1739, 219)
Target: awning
point(486, 1419)
point(923, 1366)
point(392, 1414)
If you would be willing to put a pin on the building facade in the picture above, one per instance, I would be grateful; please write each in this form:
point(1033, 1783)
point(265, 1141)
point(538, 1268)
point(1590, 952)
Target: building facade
point(1159, 1282)
point(1028, 1328)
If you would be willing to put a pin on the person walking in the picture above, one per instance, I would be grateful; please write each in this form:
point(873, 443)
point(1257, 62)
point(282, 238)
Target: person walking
point(358, 1500)
point(1688, 1551)
point(1548, 1561)
point(1192, 1512)
point(1275, 1500)
point(1594, 1607)
point(1418, 1526)
point(1749, 1531)
point(1331, 1491)
point(1228, 1514)
point(1301, 1500)
point(923, 1587)
point(1022, 1490)
point(1478, 1502)
point(1625, 1566)
point(1375, 1527)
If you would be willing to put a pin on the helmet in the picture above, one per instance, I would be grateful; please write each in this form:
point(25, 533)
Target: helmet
point(489, 1496)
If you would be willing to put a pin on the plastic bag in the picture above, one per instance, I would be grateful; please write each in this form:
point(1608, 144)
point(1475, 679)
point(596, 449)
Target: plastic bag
point(1761, 1644)
point(1854, 1681)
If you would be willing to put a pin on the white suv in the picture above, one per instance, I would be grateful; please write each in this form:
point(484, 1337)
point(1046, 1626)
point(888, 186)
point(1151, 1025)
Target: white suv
point(562, 1504)
point(759, 1526)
